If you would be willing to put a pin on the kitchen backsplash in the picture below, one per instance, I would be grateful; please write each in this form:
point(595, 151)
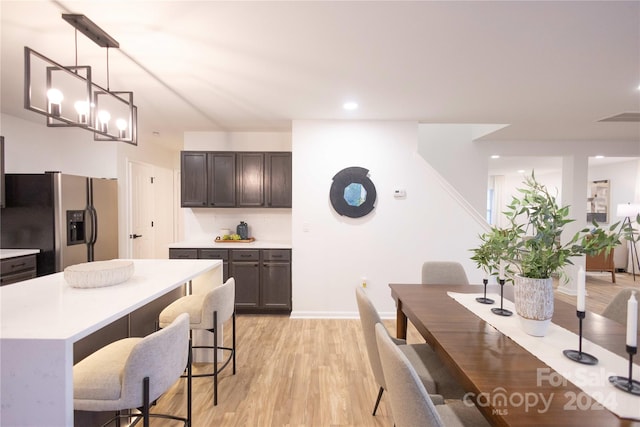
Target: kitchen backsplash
point(272, 225)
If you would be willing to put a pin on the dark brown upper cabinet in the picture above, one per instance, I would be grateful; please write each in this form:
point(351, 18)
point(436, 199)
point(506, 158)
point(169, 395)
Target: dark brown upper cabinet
point(222, 179)
point(229, 179)
point(250, 180)
point(278, 179)
point(193, 179)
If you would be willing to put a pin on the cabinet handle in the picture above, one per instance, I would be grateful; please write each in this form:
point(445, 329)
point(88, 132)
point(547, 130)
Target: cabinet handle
point(18, 265)
point(245, 255)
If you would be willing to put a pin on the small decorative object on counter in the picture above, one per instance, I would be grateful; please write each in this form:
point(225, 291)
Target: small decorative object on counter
point(243, 230)
point(98, 274)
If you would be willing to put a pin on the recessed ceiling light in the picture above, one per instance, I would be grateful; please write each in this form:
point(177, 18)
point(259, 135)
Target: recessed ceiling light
point(520, 170)
point(599, 156)
point(495, 156)
point(350, 105)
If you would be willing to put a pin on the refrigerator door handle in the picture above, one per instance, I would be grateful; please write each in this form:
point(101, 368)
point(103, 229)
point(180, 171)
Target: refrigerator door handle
point(93, 234)
point(94, 225)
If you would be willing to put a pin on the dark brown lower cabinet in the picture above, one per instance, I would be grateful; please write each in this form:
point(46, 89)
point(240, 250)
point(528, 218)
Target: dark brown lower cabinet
point(247, 277)
point(263, 276)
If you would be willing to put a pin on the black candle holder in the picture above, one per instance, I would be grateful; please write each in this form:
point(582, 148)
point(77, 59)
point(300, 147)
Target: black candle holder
point(484, 299)
point(578, 355)
point(501, 311)
point(627, 384)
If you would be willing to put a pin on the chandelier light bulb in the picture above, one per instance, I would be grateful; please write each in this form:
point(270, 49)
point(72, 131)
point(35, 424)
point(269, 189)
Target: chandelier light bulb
point(121, 124)
point(55, 98)
point(82, 108)
point(103, 120)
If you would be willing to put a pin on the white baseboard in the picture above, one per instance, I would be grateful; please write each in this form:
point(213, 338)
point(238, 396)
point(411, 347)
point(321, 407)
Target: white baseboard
point(335, 315)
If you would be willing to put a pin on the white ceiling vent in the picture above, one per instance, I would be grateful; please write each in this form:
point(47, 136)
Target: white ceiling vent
point(623, 117)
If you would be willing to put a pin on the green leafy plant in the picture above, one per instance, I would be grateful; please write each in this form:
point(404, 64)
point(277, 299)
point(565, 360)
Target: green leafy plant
point(531, 244)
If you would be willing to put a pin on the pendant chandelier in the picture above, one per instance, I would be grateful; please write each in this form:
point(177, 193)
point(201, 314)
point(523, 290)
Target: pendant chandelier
point(68, 97)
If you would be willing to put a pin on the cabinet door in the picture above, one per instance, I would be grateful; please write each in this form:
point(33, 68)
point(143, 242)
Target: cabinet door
point(193, 179)
point(247, 277)
point(278, 180)
point(221, 254)
point(276, 285)
point(222, 181)
point(250, 179)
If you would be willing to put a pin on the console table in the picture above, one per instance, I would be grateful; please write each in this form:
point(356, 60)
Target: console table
point(42, 318)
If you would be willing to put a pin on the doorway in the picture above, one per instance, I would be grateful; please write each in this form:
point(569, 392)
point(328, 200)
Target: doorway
point(151, 214)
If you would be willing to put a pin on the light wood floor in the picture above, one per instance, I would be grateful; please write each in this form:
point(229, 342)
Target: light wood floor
point(310, 372)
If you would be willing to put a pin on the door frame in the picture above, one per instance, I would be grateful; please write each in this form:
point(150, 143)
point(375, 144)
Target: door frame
point(129, 203)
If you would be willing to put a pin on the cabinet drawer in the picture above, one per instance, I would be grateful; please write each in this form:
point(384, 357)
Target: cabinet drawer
point(245, 255)
point(183, 253)
point(276, 255)
point(14, 265)
point(17, 277)
point(222, 254)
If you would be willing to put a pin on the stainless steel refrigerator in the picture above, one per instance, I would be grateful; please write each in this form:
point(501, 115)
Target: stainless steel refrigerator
point(71, 219)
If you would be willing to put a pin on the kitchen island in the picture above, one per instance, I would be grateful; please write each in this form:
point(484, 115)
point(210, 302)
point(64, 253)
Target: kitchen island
point(42, 318)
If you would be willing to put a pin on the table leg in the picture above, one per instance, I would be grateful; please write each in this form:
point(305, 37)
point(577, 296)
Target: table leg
point(401, 322)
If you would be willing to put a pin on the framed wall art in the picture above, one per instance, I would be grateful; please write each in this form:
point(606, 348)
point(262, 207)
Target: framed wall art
point(598, 201)
point(352, 193)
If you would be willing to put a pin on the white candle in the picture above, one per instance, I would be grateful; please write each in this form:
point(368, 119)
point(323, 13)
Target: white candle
point(581, 289)
point(501, 275)
point(632, 321)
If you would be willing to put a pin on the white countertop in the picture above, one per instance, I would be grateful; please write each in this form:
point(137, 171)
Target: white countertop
point(48, 307)
point(13, 253)
point(211, 244)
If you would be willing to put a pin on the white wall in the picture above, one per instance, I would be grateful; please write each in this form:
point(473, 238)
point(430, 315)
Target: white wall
point(450, 150)
point(331, 253)
point(35, 148)
point(624, 180)
point(273, 225)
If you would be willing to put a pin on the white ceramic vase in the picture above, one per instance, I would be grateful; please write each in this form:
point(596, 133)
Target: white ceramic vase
point(533, 299)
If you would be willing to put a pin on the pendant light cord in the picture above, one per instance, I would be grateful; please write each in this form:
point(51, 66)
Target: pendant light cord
point(76, 44)
point(108, 89)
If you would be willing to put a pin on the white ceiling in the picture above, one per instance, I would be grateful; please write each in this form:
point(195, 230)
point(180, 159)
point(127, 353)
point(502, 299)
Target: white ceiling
point(550, 70)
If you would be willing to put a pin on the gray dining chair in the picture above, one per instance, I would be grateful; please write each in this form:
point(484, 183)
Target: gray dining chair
point(411, 405)
point(617, 308)
point(443, 273)
point(432, 373)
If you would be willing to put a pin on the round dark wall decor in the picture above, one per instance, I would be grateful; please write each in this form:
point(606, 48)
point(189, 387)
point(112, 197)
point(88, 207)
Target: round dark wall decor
point(352, 193)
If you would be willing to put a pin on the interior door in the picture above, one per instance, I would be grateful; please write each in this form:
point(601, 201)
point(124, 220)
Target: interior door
point(141, 233)
point(163, 212)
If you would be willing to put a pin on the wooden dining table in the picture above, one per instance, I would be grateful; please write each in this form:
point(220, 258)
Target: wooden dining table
point(507, 383)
